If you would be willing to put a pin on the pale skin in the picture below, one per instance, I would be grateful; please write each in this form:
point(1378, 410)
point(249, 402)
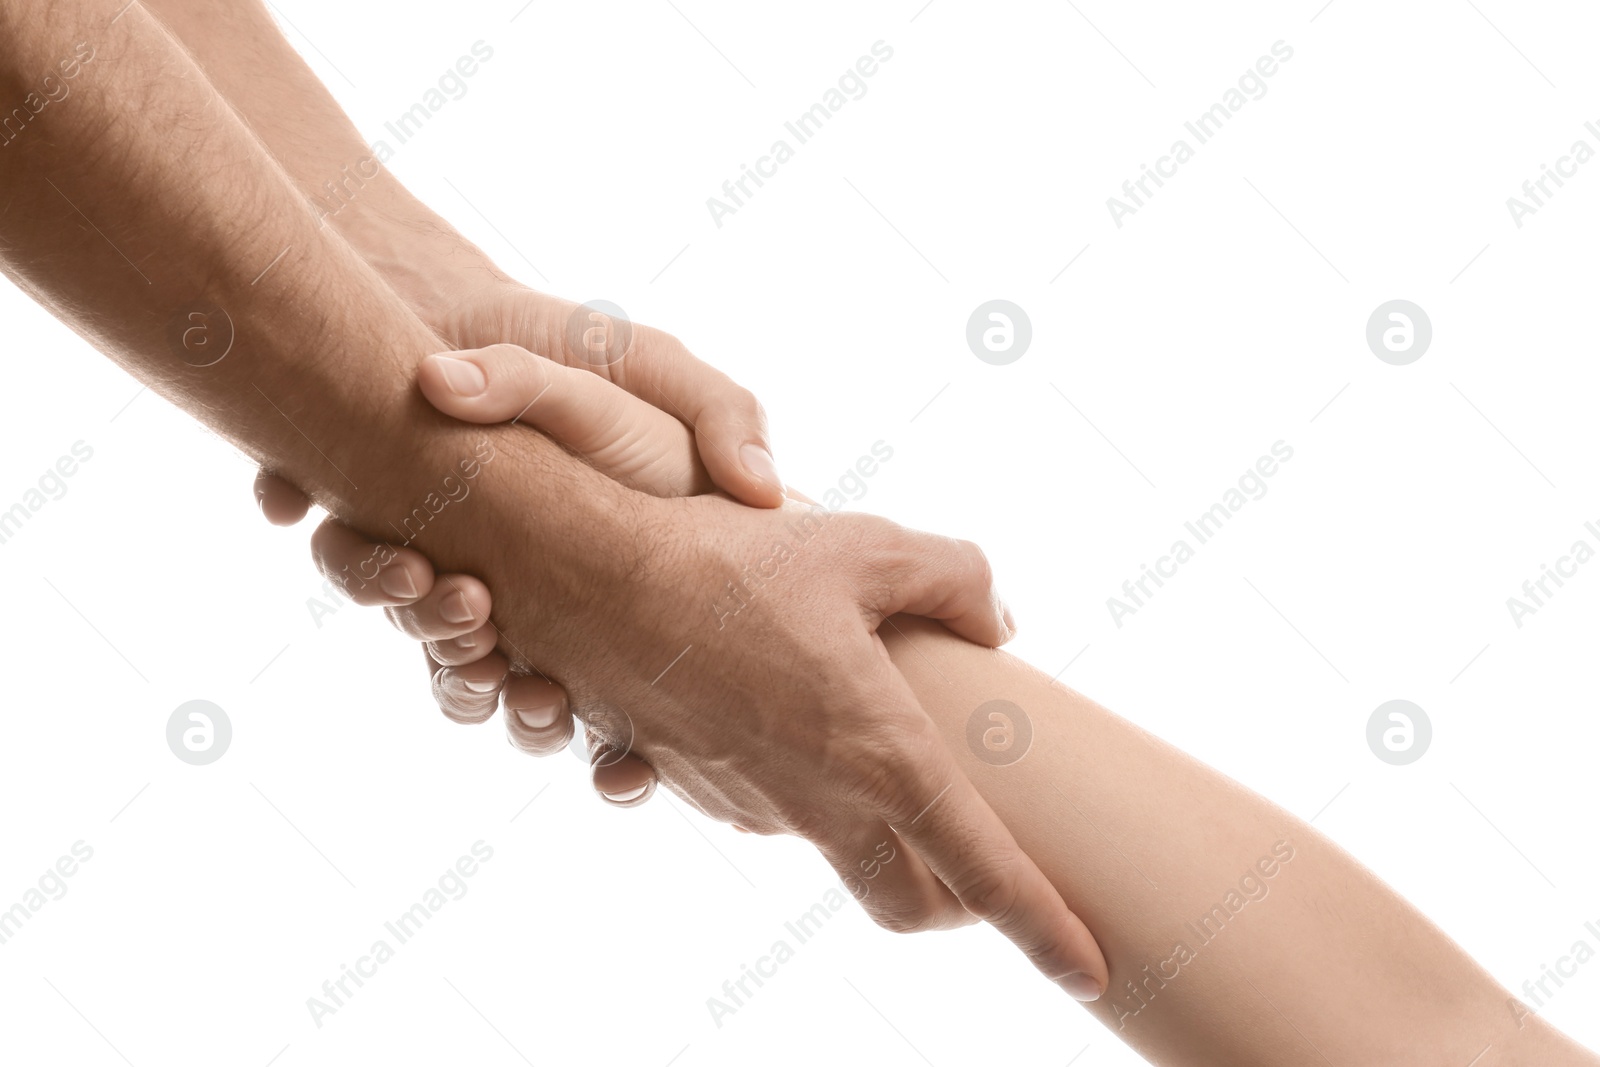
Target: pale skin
point(146, 189)
point(1236, 934)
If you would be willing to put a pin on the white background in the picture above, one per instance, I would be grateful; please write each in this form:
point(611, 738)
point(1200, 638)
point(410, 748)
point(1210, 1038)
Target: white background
point(1227, 314)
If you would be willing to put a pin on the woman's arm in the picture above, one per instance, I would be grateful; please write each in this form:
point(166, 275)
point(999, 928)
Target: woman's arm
point(1236, 934)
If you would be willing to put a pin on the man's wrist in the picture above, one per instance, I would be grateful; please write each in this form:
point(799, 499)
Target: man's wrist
point(419, 255)
point(554, 538)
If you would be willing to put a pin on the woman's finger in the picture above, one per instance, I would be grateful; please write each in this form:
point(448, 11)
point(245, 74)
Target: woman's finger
point(621, 435)
point(471, 693)
point(621, 778)
point(458, 604)
point(730, 427)
point(281, 503)
point(368, 573)
point(538, 716)
point(468, 648)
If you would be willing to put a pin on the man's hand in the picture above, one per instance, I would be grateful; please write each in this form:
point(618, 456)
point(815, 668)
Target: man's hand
point(743, 643)
point(786, 716)
point(445, 279)
point(800, 666)
point(771, 704)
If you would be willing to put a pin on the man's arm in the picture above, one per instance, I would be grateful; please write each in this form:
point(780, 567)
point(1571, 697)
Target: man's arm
point(141, 191)
point(455, 288)
point(1236, 934)
point(138, 201)
point(239, 47)
point(139, 208)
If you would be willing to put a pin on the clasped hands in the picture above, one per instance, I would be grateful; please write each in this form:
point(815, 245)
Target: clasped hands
point(786, 718)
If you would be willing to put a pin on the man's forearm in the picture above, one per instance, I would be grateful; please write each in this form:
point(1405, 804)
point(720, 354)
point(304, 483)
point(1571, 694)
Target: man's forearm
point(240, 48)
point(140, 193)
point(140, 196)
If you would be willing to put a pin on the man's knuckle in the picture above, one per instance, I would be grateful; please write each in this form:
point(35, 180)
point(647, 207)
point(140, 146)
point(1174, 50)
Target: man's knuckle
point(899, 918)
point(892, 788)
point(807, 823)
point(991, 893)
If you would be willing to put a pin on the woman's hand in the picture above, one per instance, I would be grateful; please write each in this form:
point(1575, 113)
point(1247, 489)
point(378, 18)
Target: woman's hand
point(941, 880)
point(727, 424)
point(727, 448)
point(633, 443)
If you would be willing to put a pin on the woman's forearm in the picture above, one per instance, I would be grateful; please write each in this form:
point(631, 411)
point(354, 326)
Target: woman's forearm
point(1236, 934)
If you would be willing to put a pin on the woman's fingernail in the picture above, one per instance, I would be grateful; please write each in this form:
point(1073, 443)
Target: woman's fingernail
point(396, 581)
point(1080, 986)
point(483, 687)
point(1006, 617)
point(464, 379)
point(758, 461)
point(466, 642)
point(539, 718)
point(455, 608)
point(627, 794)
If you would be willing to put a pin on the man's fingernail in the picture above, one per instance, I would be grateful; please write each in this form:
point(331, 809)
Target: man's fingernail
point(483, 687)
point(1080, 986)
point(627, 794)
point(758, 461)
point(455, 608)
point(396, 581)
point(539, 718)
point(463, 378)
